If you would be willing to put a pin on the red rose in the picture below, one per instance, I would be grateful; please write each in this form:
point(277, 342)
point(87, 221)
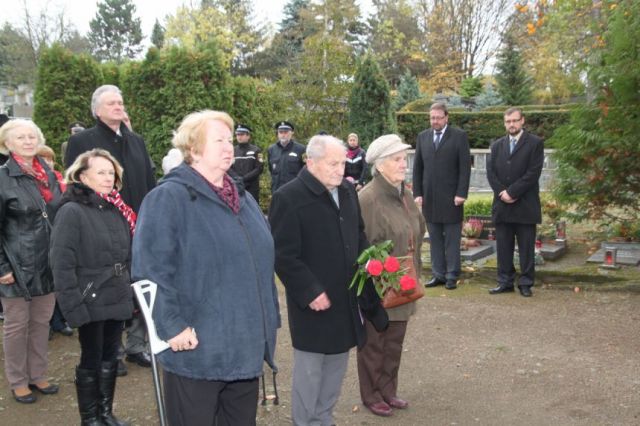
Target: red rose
point(374, 267)
point(407, 283)
point(391, 264)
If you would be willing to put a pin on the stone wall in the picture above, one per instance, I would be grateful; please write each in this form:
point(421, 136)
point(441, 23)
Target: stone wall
point(479, 181)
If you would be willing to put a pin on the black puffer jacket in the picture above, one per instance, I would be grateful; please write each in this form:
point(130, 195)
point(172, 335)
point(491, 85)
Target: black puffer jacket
point(25, 232)
point(90, 257)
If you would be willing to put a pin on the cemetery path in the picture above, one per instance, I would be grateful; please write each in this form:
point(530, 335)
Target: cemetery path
point(559, 358)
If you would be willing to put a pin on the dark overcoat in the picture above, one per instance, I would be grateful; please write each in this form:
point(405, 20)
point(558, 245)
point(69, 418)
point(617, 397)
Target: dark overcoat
point(130, 151)
point(317, 246)
point(90, 237)
point(518, 173)
point(441, 175)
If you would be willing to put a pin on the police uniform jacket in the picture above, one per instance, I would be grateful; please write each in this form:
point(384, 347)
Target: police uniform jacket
point(284, 162)
point(248, 165)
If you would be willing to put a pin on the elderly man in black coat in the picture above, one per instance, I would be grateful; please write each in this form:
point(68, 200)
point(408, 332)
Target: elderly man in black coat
point(513, 170)
point(111, 134)
point(441, 173)
point(319, 234)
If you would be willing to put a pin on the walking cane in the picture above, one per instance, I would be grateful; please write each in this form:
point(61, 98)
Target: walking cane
point(141, 288)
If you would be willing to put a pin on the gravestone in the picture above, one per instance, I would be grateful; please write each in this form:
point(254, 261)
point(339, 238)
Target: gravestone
point(628, 253)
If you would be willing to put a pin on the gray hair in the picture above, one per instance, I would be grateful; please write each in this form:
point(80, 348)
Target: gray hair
point(317, 145)
point(95, 98)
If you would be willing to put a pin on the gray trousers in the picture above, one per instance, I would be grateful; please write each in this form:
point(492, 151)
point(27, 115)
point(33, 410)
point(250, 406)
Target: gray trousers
point(445, 249)
point(317, 380)
point(26, 339)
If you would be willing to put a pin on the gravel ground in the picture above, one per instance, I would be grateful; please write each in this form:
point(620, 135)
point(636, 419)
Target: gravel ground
point(559, 358)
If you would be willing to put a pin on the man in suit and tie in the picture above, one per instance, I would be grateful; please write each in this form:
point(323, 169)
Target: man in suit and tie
point(441, 172)
point(513, 170)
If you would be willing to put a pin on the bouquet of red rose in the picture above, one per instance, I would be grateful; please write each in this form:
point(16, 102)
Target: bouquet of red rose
point(383, 269)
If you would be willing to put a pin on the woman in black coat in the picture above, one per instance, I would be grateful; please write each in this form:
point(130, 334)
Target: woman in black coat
point(29, 192)
point(90, 256)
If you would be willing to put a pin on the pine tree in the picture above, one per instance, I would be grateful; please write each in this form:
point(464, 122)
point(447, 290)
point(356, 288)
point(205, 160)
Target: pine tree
point(408, 90)
point(370, 112)
point(157, 35)
point(514, 85)
point(115, 33)
point(471, 87)
point(489, 97)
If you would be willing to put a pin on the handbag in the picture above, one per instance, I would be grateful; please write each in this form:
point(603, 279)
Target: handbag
point(393, 297)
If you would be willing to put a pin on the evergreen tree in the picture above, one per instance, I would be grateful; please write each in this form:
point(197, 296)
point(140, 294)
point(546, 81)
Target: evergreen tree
point(63, 91)
point(598, 151)
point(408, 90)
point(489, 97)
point(471, 87)
point(157, 35)
point(370, 112)
point(115, 33)
point(514, 85)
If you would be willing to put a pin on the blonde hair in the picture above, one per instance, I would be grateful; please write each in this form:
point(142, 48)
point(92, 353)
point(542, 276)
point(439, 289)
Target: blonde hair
point(11, 125)
point(191, 133)
point(46, 152)
point(82, 164)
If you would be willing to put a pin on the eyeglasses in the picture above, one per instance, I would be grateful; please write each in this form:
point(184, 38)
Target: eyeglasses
point(512, 121)
point(437, 118)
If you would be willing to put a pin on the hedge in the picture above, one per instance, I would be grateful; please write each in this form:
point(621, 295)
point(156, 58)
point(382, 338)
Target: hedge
point(482, 127)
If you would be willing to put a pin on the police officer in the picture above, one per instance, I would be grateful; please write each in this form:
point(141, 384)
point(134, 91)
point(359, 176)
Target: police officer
point(285, 157)
point(248, 161)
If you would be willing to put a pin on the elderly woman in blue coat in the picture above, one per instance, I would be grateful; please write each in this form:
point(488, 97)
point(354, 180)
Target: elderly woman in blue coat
point(208, 247)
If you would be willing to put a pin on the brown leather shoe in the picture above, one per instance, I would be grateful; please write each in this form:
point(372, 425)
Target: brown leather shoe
point(380, 409)
point(396, 402)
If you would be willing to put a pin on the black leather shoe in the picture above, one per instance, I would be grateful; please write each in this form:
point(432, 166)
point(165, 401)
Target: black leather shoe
point(121, 370)
point(434, 282)
point(501, 289)
point(525, 291)
point(143, 359)
point(451, 285)
point(49, 390)
point(66, 331)
point(26, 399)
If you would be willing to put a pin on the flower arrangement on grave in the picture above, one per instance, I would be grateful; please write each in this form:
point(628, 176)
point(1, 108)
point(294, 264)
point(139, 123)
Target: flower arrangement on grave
point(383, 269)
point(472, 228)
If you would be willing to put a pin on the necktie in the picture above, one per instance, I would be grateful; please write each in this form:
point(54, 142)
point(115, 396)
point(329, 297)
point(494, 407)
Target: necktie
point(436, 141)
point(512, 145)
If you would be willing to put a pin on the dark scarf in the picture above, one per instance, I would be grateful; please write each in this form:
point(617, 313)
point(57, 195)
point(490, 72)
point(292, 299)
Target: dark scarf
point(36, 171)
point(228, 193)
point(127, 212)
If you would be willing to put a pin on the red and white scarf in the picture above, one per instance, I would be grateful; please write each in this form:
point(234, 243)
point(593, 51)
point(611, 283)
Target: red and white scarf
point(38, 173)
point(127, 212)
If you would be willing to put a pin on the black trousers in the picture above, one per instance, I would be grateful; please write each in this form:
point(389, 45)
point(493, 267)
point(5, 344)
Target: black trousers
point(99, 341)
point(192, 402)
point(506, 234)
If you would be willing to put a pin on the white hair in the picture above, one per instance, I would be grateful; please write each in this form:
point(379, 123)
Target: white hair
point(171, 160)
point(95, 98)
point(317, 145)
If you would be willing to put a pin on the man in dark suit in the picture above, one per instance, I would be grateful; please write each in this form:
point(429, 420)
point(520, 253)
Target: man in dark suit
point(319, 233)
point(441, 172)
point(513, 170)
point(113, 135)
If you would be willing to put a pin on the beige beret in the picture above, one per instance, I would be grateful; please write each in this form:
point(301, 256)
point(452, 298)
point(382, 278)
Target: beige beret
point(384, 146)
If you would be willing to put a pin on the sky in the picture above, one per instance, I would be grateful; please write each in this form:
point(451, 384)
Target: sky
point(80, 12)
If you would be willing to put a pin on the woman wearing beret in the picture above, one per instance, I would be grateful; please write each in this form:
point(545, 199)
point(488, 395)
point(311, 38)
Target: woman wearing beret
point(90, 254)
point(389, 213)
point(207, 246)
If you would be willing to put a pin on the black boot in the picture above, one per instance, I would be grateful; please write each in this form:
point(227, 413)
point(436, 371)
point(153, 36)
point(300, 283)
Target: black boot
point(107, 388)
point(87, 389)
